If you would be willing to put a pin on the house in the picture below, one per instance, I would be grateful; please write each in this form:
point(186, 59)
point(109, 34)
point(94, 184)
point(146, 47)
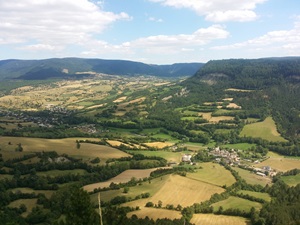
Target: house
point(186, 158)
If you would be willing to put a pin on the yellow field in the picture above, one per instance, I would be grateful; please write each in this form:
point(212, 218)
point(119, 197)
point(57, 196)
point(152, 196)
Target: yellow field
point(180, 190)
point(155, 214)
point(233, 106)
point(216, 119)
point(279, 163)
point(121, 178)
point(116, 143)
point(211, 219)
point(214, 174)
point(159, 145)
point(61, 146)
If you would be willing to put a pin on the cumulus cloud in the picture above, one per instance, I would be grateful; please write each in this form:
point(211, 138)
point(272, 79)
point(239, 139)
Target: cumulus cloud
point(218, 10)
point(287, 42)
point(52, 24)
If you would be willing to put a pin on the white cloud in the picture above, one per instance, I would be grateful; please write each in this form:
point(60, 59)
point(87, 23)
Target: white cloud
point(285, 42)
point(54, 23)
point(155, 19)
point(218, 10)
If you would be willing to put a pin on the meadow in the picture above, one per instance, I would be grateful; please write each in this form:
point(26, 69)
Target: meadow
point(237, 203)
point(291, 180)
point(252, 178)
point(265, 130)
point(211, 219)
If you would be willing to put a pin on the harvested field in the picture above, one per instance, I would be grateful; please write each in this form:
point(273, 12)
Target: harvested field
point(180, 190)
point(121, 178)
point(280, 163)
point(214, 174)
point(211, 219)
point(61, 146)
point(155, 214)
point(233, 106)
point(117, 143)
point(228, 99)
point(159, 145)
point(216, 119)
point(29, 203)
point(238, 90)
point(206, 116)
point(121, 99)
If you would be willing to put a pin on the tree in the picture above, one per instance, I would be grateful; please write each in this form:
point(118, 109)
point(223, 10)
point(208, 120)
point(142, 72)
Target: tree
point(19, 148)
point(77, 144)
point(80, 210)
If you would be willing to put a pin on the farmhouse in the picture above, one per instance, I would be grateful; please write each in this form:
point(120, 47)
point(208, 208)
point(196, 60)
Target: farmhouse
point(186, 158)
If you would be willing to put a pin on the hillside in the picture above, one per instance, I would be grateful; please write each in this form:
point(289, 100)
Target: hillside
point(67, 67)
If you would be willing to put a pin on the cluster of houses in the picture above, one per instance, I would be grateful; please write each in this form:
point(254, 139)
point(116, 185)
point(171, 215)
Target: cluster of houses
point(229, 156)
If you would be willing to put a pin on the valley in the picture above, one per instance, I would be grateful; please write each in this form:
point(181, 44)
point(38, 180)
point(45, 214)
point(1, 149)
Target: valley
point(204, 149)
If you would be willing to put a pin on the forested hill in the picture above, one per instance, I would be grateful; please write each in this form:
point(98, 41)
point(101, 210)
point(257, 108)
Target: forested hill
point(265, 87)
point(250, 74)
point(67, 67)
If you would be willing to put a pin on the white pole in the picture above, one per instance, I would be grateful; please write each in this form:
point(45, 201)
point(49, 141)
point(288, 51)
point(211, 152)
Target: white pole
point(100, 212)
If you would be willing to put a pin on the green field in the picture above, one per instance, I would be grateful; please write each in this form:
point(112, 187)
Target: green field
point(237, 203)
point(54, 173)
point(264, 196)
point(265, 130)
point(212, 173)
point(291, 180)
point(168, 155)
point(241, 146)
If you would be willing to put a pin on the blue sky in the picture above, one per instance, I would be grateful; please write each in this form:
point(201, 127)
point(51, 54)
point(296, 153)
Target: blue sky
point(150, 31)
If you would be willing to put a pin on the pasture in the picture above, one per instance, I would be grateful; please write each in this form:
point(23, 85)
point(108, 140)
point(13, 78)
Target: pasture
point(67, 146)
point(213, 173)
point(180, 190)
point(168, 155)
point(237, 203)
point(291, 180)
point(47, 193)
point(29, 203)
point(241, 146)
point(211, 219)
point(266, 130)
point(121, 178)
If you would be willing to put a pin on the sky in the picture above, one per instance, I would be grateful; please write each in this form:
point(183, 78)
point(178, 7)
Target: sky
point(149, 31)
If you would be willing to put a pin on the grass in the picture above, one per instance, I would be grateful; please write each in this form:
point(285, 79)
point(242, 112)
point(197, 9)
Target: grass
point(237, 203)
point(47, 193)
point(291, 180)
point(180, 190)
point(266, 130)
point(214, 174)
point(264, 196)
point(211, 219)
point(252, 178)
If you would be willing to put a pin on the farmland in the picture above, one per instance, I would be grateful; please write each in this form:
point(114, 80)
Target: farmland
point(211, 219)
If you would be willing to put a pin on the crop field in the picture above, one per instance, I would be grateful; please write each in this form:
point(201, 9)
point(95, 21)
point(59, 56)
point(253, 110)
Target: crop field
point(237, 203)
point(213, 173)
point(280, 163)
point(61, 146)
point(291, 180)
point(155, 214)
point(265, 130)
point(211, 219)
point(252, 178)
point(54, 173)
point(121, 178)
point(264, 196)
point(180, 190)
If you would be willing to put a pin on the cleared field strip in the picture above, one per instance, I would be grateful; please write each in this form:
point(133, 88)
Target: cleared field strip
point(121, 178)
point(62, 146)
point(264, 196)
point(155, 214)
point(214, 174)
point(211, 219)
point(180, 190)
point(159, 145)
point(29, 203)
point(237, 203)
point(265, 130)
